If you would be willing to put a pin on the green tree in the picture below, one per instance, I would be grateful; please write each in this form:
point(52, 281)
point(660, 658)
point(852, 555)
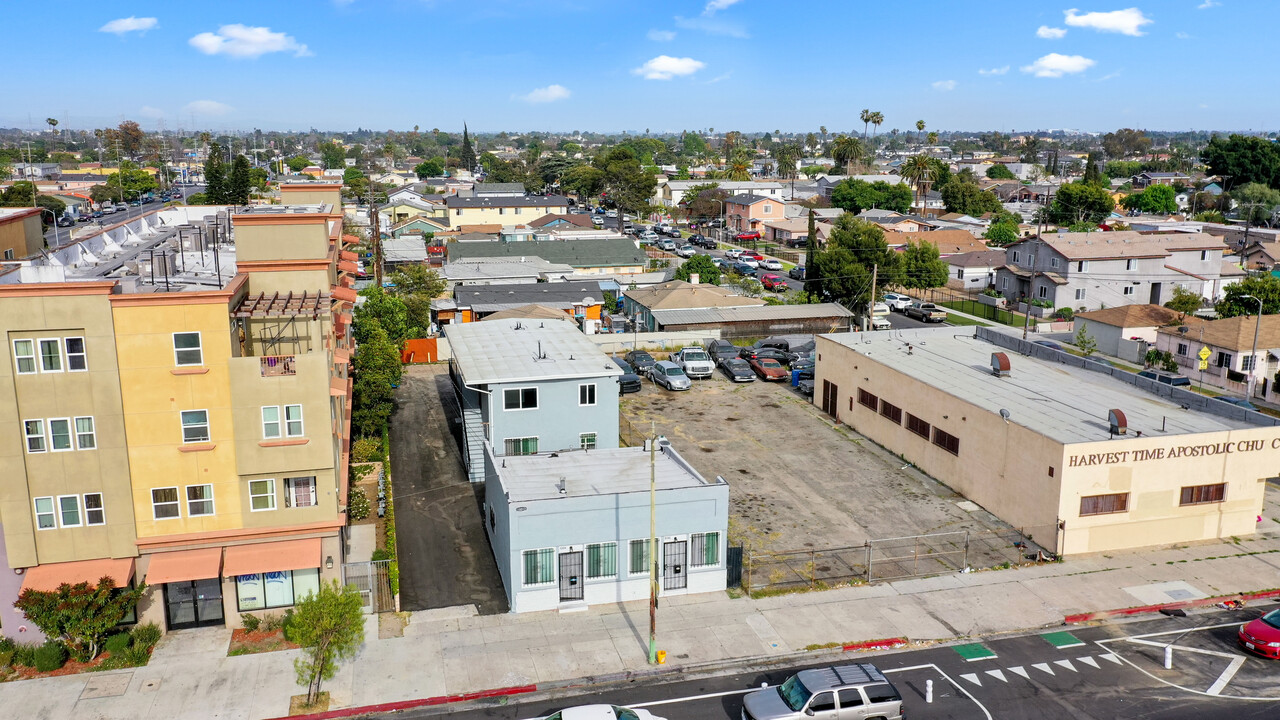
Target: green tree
point(416, 286)
point(854, 195)
point(701, 265)
point(921, 266)
point(80, 616)
point(129, 182)
point(1000, 172)
point(705, 200)
point(238, 182)
point(1122, 169)
point(1264, 287)
point(1155, 199)
point(1077, 202)
point(812, 286)
point(329, 627)
point(919, 172)
point(215, 176)
point(1246, 159)
point(429, 168)
point(693, 144)
point(387, 309)
point(1184, 301)
point(1125, 142)
point(969, 199)
point(1092, 175)
point(628, 186)
point(332, 155)
point(844, 268)
point(1001, 234)
point(1256, 202)
point(259, 179)
point(377, 371)
point(298, 163)
point(585, 181)
point(468, 156)
point(848, 152)
point(1084, 342)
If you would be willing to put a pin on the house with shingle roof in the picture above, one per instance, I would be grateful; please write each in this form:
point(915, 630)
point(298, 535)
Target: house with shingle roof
point(1111, 327)
point(974, 270)
point(1232, 357)
point(748, 211)
point(678, 294)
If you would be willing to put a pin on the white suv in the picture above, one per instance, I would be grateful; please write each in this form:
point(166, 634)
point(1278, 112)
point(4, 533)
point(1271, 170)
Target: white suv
point(695, 361)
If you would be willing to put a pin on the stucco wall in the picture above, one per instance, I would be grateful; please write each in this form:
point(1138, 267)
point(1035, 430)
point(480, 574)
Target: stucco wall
point(558, 419)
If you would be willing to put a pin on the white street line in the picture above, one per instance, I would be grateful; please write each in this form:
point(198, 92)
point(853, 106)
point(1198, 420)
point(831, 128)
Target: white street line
point(1171, 632)
point(998, 675)
point(1112, 657)
point(1021, 671)
point(1043, 666)
point(1089, 661)
point(971, 677)
point(708, 696)
point(1218, 685)
point(1103, 644)
point(1185, 648)
point(1066, 664)
point(1064, 647)
point(954, 684)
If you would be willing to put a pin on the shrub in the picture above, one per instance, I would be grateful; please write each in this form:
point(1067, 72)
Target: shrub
point(250, 622)
point(146, 635)
point(357, 503)
point(6, 658)
point(381, 554)
point(24, 654)
point(117, 643)
point(50, 656)
point(286, 625)
point(7, 644)
point(272, 622)
point(1065, 313)
point(137, 656)
point(366, 450)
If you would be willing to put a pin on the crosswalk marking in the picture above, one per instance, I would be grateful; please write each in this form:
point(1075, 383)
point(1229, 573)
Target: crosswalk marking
point(1112, 657)
point(1043, 666)
point(997, 675)
point(1066, 664)
point(1089, 661)
point(1021, 671)
point(971, 677)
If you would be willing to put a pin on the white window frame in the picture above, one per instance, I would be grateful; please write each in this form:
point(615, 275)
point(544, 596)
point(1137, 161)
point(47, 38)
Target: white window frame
point(101, 510)
point(271, 483)
point(1182, 349)
point(603, 547)
point(1053, 263)
point(57, 342)
point(590, 390)
point(699, 563)
point(648, 549)
point(207, 435)
point(79, 518)
point(1204, 255)
point(71, 435)
point(199, 348)
point(93, 433)
point(534, 438)
point(1247, 362)
point(83, 354)
point(176, 502)
point(582, 440)
point(524, 581)
point(52, 512)
point(271, 435)
point(33, 356)
point(186, 497)
point(1016, 256)
point(521, 407)
point(288, 424)
point(1082, 266)
point(1042, 292)
point(43, 435)
point(290, 485)
point(1128, 290)
point(1131, 265)
point(1004, 283)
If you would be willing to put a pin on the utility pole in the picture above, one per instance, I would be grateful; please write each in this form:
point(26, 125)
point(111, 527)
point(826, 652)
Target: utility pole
point(375, 236)
point(871, 303)
point(653, 544)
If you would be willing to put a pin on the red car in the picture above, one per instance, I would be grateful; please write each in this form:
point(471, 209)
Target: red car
point(751, 255)
point(753, 235)
point(773, 283)
point(767, 368)
point(1262, 636)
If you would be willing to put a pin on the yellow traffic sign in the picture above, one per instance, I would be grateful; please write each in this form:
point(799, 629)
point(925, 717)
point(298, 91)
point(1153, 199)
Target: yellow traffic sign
point(1204, 364)
point(1204, 353)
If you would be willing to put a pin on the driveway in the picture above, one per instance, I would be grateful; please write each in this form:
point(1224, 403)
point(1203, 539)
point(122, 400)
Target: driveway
point(445, 558)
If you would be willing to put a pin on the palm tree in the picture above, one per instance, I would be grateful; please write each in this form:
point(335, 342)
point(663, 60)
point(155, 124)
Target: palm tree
point(739, 165)
point(811, 141)
point(919, 129)
point(916, 170)
point(877, 118)
point(823, 129)
point(933, 138)
point(865, 116)
point(847, 150)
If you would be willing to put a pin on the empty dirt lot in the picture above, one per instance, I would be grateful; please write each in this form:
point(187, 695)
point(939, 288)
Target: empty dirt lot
point(791, 472)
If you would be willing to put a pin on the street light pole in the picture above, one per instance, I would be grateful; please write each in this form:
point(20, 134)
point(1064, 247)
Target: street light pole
point(1253, 362)
point(653, 545)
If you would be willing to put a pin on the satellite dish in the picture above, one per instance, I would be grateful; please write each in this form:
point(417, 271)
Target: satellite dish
point(588, 300)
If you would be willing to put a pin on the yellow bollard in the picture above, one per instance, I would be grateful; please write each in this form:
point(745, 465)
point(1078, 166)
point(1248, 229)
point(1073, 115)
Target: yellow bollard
point(662, 657)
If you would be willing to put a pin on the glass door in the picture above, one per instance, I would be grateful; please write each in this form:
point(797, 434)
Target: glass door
point(193, 603)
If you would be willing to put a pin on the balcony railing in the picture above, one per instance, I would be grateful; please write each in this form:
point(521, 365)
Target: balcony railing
point(278, 365)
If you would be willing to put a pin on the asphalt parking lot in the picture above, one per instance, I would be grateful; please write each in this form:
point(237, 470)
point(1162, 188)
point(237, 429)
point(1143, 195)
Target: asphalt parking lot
point(792, 473)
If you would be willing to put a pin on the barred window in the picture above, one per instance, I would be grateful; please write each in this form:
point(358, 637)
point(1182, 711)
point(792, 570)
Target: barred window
point(704, 550)
point(918, 426)
point(891, 411)
point(946, 441)
point(1199, 494)
point(867, 399)
point(1104, 504)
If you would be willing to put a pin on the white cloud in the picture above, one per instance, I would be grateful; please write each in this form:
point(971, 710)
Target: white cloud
point(945, 85)
point(151, 112)
point(206, 107)
point(712, 26)
point(1207, 4)
point(1125, 22)
point(994, 71)
point(662, 35)
point(1182, 36)
point(719, 78)
point(242, 41)
point(715, 6)
point(1054, 65)
point(665, 67)
point(1050, 33)
point(547, 94)
point(128, 25)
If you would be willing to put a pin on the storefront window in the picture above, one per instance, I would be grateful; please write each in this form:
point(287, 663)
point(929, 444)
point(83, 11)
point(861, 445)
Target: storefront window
point(284, 588)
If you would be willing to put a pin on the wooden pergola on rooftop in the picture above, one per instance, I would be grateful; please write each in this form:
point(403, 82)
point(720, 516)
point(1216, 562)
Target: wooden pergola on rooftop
point(287, 305)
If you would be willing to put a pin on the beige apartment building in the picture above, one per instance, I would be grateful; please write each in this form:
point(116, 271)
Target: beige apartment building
point(1082, 457)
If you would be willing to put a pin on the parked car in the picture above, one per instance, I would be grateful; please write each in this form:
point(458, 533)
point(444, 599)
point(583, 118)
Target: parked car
point(1238, 402)
point(896, 301)
point(747, 236)
point(1050, 344)
point(600, 712)
point(98, 213)
point(802, 364)
point(640, 361)
point(796, 273)
point(667, 246)
point(686, 251)
point(805, 386)
point(702, 241)
point(858, 692)
point(880, 322)
point(1166, 378)
point(732, 253)
point(781, 356)
point(597, 221)
point(85, 217)
point(773, 283)
point(695, 362)
point(879, 310)
point(737, 370)
point(106, 210)
point(773, 342)
point(66, 221)
point(672, 231)
point(629, 382)
point(925, 312)
point(720, 350)
point(121, 207)
point(648, 237)
point(611, 214)
point(752, 256)
point(767, 368)
point(669, 375)
point(750, 262)
point(771, 264)
point(1262, 636)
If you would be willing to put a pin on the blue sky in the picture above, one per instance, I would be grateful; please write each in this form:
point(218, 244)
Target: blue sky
point(751, 65)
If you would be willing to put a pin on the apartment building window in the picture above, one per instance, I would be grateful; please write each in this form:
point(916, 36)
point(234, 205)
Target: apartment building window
point(8, 254)
point(520, 398)
point(868, 400)
point(270, 421)
point(704, 549)
point(1082, 266)
point(1202, 494)
point(50, 355)
point(1016, 256)
point(164, 503)
point(195, 426)
point(1223, 360)
point(260, 591)
point(1182, 349)
point(587, 441)
point(1053, 263)
point(946, 441)
point(34, 430)
point(587, 394)
point(187, 349)
point(86, 439)
point(1128, 290)
point(24, 356)
point(891, 411)
point(520, 446)
point(1079, 293)
point(1042, 292)
point(1004, 283)
point(293, 420)
point(45, 518)
point(602, 560)
point(639, 557)
point(262, 495)
point(1104, 504)
point(77, 361)
point(1131, 264)
point(960, 274)
point(199, 500)
point(1204, 255)
point(1246, 363)
point(539, 566)
point(69, 510)
point(918, 426)
point(94, 513)
point(300, 492)
point(60, 434)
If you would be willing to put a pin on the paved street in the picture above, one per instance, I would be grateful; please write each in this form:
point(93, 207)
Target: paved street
point(1110, 671)
point(59, 235)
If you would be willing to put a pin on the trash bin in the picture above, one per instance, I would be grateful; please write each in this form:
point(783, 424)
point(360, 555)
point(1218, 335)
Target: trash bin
point(795, 378)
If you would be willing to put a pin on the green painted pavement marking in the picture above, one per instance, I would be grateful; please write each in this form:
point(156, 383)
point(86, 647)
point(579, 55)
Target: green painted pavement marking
point(1062, 640)
point(974, 651)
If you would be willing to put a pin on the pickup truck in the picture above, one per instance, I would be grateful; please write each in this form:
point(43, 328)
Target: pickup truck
point(925, 312)
point(695, 362)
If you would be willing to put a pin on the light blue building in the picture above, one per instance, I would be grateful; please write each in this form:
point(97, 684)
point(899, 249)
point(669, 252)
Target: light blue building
point(531, 386)
point(571, 529)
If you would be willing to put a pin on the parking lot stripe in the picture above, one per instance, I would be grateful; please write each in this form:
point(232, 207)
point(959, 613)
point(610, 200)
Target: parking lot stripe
point(1226, 676)
point(973, 678)
point(708, 696)
point(1112, 657)
point(1021, 671)
point(1043, 666)
point(1066, 664)
point(997, 675)
point(1089, 661)
point(1062, 640)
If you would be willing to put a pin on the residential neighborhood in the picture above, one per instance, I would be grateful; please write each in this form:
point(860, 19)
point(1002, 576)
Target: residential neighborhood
point(370, 403)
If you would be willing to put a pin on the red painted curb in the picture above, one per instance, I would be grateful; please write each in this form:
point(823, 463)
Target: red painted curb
point(876, 644)
point(410, 704)
point(1142, 609)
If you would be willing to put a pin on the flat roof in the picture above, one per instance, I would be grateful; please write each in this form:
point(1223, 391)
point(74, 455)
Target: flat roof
point(517, 350)
point(758, 313)
point(594, 472)
point(1063, 402)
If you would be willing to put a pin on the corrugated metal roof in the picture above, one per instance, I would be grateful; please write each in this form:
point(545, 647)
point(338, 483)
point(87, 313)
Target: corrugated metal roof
point(751, 313)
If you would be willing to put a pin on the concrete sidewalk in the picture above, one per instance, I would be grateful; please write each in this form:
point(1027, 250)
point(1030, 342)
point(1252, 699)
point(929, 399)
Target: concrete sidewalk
point(455, 650)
